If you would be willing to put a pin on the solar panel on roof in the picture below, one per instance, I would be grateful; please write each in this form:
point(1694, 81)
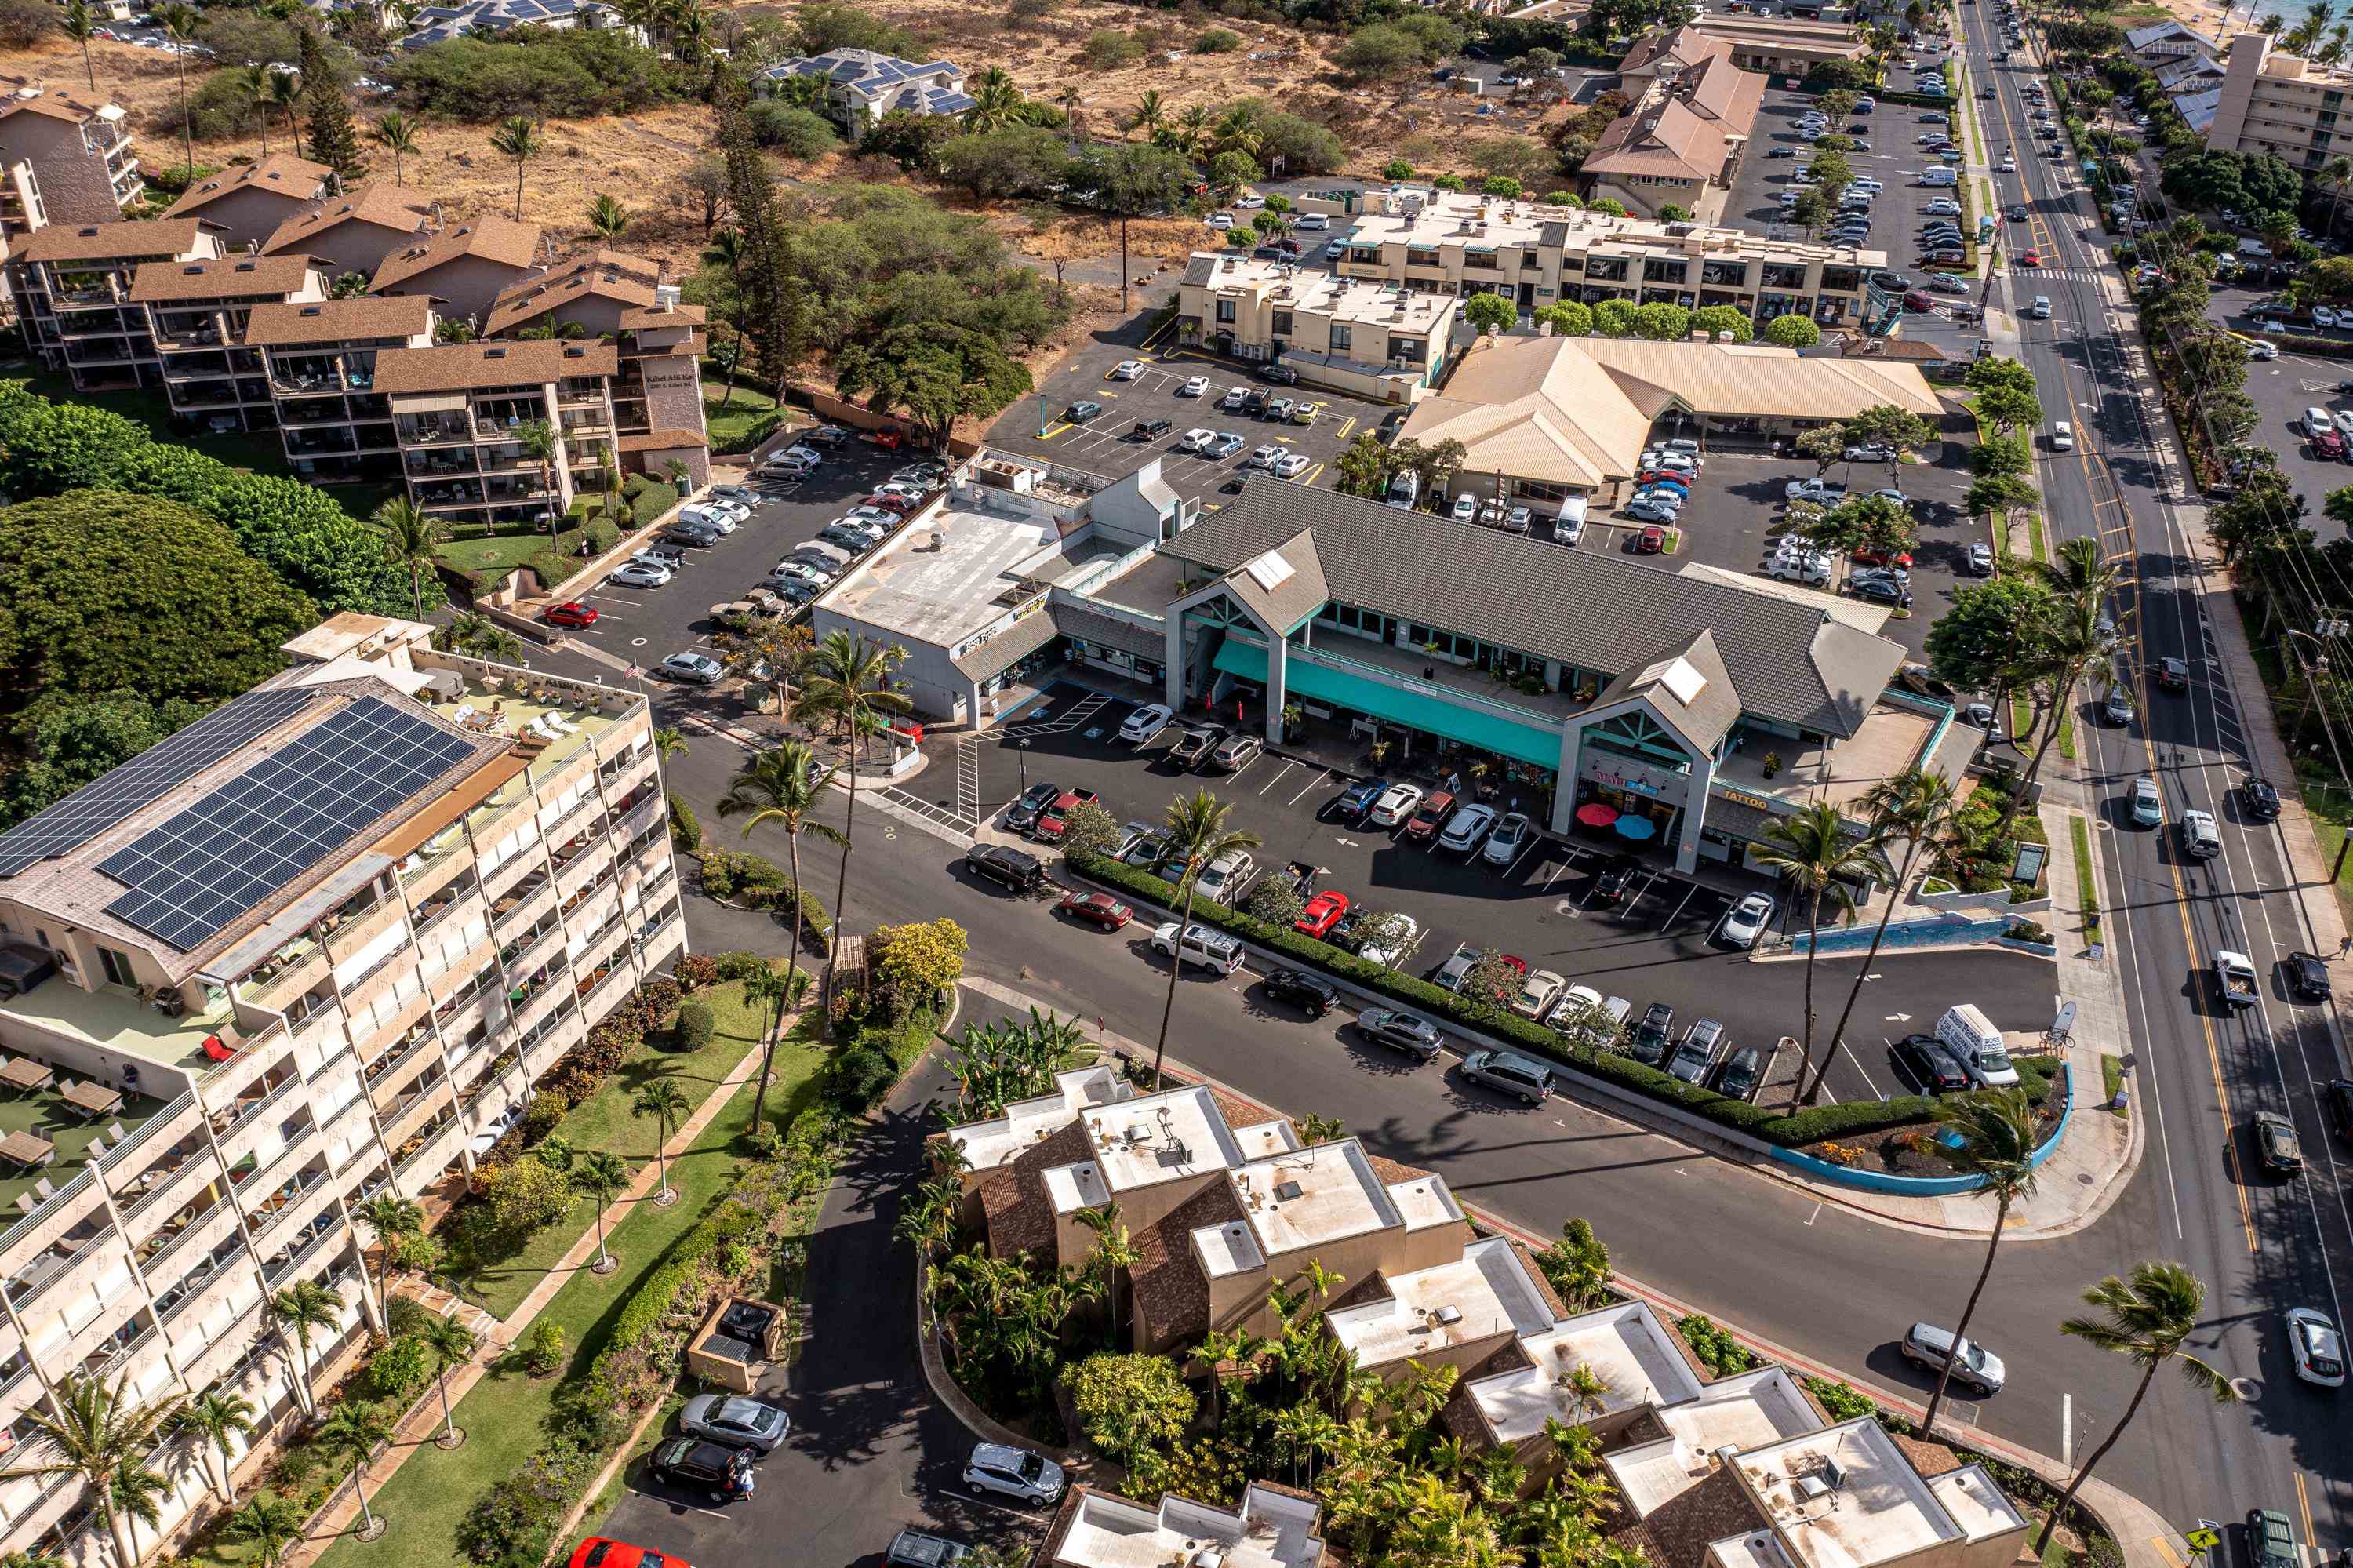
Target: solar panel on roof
point(146, 777)
point(193, 875)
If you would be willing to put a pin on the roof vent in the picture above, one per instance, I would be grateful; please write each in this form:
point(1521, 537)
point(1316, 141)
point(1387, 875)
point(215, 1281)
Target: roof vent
point(1449, 1314)
point(193, 269)
point(242, 267)
point(494, 353)
point(310, 309)
point(575, 353)
point(1286, 1191)
point(1808, 1489)
point(89, 233)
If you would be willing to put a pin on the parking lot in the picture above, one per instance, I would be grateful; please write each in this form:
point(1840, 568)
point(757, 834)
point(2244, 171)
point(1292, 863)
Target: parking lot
point(1545, 908)
point(1893, 157)
point(1105, 445)
point(2281, 389)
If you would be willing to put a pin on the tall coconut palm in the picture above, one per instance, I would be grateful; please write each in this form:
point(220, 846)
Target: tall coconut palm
point(537, 438)
point(1109, 1259)
point(80, 25)
point(477, 636)
point(518, 137)
point(1197, 834)
point(2148, 1316)
point(271, 1524)
point(303, 1308)
point(1237, 131)
point(411, 536)
point(447, 1344)
point(728, 249)
point(396, 133)
point(662, 1099)
point(670, 741)
point(1815, 854)
point(179, 22)
point(1193, 131)
point(95, 1434)
point(782, 786)
point(351, 1434)
point(607, 217)
point(1989, 1136)
point(850, 682)
point(1915, 808)
point(135, 1496)
point(215, 1421)
point(996, 102)
point(391, 1217)
point(2075, 640)
point(285, 90)
point(600, 1173)
point(1151, 113)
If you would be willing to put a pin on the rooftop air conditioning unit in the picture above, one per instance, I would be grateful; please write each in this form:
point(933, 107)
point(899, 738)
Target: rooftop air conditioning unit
point(1809, 1489)
point(1448, 1315)
point(1834, 1473)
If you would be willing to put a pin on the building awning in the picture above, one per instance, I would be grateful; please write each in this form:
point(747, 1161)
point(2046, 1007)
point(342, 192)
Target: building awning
point(1412, 709)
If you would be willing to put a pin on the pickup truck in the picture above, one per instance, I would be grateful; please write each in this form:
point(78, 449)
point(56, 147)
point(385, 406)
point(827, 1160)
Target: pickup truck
point(2235, 979)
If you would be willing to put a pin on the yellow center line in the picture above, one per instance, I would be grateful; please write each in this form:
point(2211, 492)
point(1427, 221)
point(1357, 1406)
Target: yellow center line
point(2304, 1504)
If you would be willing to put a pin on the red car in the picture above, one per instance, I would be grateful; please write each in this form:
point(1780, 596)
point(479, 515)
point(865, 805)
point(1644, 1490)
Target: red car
point(1517, 966)
point(1322, 912)
point(890, 501)
point(1681, 482)
point(2031, 259)
point(1424, 823)
point(602, 1551)
point(1650, 540)
point(1881, 558)
point(1055, 819)
point(889, 438)
point(572, 614)
point(1097, 909)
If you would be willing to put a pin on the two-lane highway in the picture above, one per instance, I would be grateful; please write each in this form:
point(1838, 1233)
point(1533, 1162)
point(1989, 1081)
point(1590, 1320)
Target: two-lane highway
point(2203, 1069)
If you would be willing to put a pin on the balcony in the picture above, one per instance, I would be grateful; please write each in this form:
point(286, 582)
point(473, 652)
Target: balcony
point(284, 1266)
point(415, 432)
point(427, 1153)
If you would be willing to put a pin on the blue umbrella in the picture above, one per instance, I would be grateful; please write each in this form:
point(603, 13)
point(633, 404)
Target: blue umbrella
point(1630, 826)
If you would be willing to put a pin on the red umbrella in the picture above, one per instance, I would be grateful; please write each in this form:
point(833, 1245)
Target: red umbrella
point(1597, 815)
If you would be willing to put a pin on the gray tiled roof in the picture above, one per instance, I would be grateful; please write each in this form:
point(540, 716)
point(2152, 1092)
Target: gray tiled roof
point(1296, 595)
point(1100, 630)
point(1709, 716)
point(1583, 607)
point(1007, 648)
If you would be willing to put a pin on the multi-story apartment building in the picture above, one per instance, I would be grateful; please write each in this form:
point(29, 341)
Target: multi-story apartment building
point(294, 956)
point(196, 317)
point(73, 287)
point(1774, 46)
point(247, 203)
point(1375, 340)
point(463, 268)
point(2274, 101)
point(460, 412)
point(354, 233)
point(63, 158)
point(1680, 142)
point(1535, 255)
point(320, 360)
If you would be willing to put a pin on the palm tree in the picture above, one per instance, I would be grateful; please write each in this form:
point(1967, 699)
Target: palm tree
point(447, 1344)
point(518, 138)
point(600, 1173)
point(663, 1100)
point(1197, 834)
point(537, 438)
point(1193, 130)
point(1151, 113)
point(303, 1308)
point(2078, 637)
point(96, 1434)
point(1067, 100)
point(410, 538)
point(849, 680)
point(996, 101)
point(179, 22)
point(135, 1496)
point(472, 633)
point(1814, 852)
point(351, 1432)
point(272, 1524)
point(782, 786)
point(396, 133)
point(773, 993)
point(80, 26)
point(607, 217)
point(1916, 807)
point(213, 1419)
point(2336, 174)
point(2146, 1316)
point(285, 90)
point(670, 741)
point(727, 249)
point(1113, 1253)
point(1989, 1136)
point(1237, 131)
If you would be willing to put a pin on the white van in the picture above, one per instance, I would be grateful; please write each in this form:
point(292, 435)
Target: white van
point(2316, 420)
point(2062, 436)
point(1404, 489)
point(1940, 176)
point(1569, 527)
point(1313, 220)
point(1976, 1044)
point(2041, 309)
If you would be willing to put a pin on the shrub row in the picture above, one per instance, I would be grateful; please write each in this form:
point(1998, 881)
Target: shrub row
point(1790, 1130)
point(759, 883)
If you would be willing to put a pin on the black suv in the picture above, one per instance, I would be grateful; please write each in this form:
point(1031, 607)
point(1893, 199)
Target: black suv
point(1023, 814)
point(1147, 429)
point(1738, 1076)
point(1617, 879)
point(724, 1473)
point(1312, 994)
point(2308, 977)
point(1647, 1043)
point(1924, 1060)
point(2259, 799)
point(1022, 873)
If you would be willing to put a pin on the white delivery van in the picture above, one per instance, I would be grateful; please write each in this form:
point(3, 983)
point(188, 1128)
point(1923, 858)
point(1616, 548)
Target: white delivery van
point(1571, 526)
point(1976, 1044)
point(1943, 176)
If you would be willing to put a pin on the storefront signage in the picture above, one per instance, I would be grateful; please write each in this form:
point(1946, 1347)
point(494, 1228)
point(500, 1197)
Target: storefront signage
point(1742, 797)
point(1611, 772)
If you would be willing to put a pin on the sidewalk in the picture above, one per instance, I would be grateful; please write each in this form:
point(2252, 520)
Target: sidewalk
point(423, 1421)
point(2144, 1535)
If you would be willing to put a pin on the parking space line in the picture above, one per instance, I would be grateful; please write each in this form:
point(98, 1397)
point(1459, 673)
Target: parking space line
point(1278, 778)
point(1320, 775)
point(1680, 907)
point(669, 1503)
point(1858, 1067)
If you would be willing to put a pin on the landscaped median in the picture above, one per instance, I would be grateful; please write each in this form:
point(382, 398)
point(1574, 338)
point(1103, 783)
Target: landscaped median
point(1794, 1130)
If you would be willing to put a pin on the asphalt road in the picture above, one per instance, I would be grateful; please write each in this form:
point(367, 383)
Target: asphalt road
point(2260, 1245)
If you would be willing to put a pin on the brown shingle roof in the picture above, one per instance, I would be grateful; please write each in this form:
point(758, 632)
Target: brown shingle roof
point(489, 239)
point(459, 367)
point(664, 441)
point(1678, 1531)
point(1931, 1459)
point(1165, 1279)
point(114, 242)
point(161, 282)
point(20, 96)
point(1021, 1217)
point(684, 315)
point(337, 321)
point(386, 207)
point(280, 173)
point(603, 274)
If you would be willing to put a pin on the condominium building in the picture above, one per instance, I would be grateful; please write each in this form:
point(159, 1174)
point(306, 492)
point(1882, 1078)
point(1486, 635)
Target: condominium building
point(197, 313)
point(1373, 339)
point(1535, 255)
point(73, 285)
point(461, 414)
point(296, 955)
point(1273, 1527)
point(1680, 142)
point(247, 203)
point(64, 158)
point(2274, 101)
point(463, 268)
point(354, 233)
point(320, 357)
point(1773, 46)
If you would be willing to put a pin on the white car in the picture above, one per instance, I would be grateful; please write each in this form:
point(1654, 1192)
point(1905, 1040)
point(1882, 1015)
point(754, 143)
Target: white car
point(1262, 457)
point(2261, 350)
point(1290, 465)
point(1466, 508)
point(1467, 827)
point(1222, 221)
point(1145, 722)
point(694, 668)
point(1510, 837)
point(1234, 399)
point(1744, 923)
point(704, 516)
point(1403, 932)
point(1398, 802)
point(798, 572)
point(1539, 992)
point(1811, 569)
point(1127, 370)
point(641, 574)
point(1199, 385)
point(2008, 163)
point(1222, 880)
point(1650, 511)
point(1250, 201)
point(1015, 1473)
point(2315, 1347)
point(1195, 440)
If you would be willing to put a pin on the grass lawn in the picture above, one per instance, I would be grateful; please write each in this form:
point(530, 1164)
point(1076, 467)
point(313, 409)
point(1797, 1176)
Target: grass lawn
point(605, 1120)
point(730, 426)
point(2087, 888)
point(490, 553)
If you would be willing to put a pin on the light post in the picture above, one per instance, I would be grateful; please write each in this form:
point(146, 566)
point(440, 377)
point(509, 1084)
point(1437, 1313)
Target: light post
point(1023, 752)
point(2319, 667)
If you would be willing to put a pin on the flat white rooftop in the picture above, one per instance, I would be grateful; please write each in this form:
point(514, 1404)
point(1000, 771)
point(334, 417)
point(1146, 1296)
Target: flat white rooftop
point(1313, 1197)
point(1484, 1293)
point(943, 576)
point(1154, 1139)
point(1751, 1410)
point(1975, 1503)
point(1626, 1347)
point(1846, 1497)
point(1269, 1531)
point(989, 1144)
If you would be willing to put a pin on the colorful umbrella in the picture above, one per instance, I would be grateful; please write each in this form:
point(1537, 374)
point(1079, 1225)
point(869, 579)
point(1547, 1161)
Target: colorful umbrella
point(1636, 828)
point(1597, 815)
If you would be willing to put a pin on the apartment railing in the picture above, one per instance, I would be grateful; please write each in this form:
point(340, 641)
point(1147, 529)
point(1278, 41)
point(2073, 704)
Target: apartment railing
point(113, 1158)
point(275, 1276)
point(165, 1254)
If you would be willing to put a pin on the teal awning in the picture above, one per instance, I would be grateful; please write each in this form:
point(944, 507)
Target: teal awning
point(1419, 710)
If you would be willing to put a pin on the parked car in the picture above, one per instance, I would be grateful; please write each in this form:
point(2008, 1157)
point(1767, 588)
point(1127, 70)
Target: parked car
point(1021, 872)
point(1358, 798)
point(1647, 1043)
point(1923, 1059)
point(1145, 722)
point(1401, 1031)
point(1974, 1368)
point(1099, 909)
point(1398, 802)
point(1016, 1473)
point(1744, 923)
point(1695, 1052)
point(1310, 993)
point(725, 1474)
point(2308, 977)
point(1224, 879)
point(1466, 828)
point(603, 1551)
point(693, 669)
point(572, 613)
point(1423, 825)
point(1509, 837)
point(1029, 805)
point(912, 1548)
point(1617, 879)
point(1980, 559)
point(738, 1420)
point(1508, 1071)
point(1196, 743)
point(1321, 912)
point(1194, 386)
point(1386, 943)
point(1741, 1073)
point(1539, 990)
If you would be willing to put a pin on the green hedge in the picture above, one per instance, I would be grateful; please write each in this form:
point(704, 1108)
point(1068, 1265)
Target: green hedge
point(1849, 1118)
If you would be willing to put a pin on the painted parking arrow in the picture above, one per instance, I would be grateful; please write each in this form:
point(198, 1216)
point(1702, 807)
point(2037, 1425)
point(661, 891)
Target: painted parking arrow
point(1899, 1018)
point(1349, 844)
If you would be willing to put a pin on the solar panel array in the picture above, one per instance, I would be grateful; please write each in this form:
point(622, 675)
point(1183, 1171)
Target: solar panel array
point(193, 875)
point(147, 778)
